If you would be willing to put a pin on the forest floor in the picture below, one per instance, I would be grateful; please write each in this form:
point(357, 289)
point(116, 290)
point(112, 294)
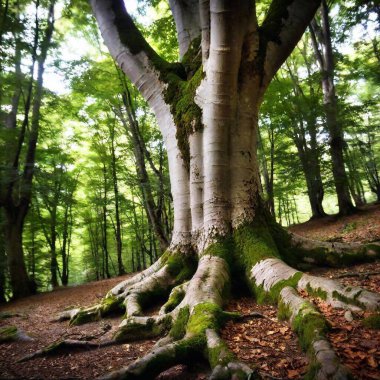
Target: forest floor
point(266, 342)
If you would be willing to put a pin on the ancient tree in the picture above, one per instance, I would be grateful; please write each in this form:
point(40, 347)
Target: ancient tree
point(207, 108)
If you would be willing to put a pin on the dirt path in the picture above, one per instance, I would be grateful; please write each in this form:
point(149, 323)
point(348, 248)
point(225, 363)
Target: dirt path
point(268, 343)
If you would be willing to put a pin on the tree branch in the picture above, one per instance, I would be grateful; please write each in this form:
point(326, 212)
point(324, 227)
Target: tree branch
point(129, 48)
point(187, 19)
point(282, 28)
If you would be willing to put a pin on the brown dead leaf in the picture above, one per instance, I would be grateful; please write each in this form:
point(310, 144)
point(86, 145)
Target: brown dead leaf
point(293, 373)
point(372, 362)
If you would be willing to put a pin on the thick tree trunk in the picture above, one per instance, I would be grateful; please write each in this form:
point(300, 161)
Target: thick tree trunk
point(19, 280)
point(221, 230)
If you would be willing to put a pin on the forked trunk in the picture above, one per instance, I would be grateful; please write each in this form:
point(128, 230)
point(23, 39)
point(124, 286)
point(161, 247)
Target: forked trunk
point(207, 109)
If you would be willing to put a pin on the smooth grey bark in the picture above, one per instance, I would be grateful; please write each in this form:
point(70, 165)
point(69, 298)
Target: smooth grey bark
point(322, 44)
point(223, 190)
point(187, 20)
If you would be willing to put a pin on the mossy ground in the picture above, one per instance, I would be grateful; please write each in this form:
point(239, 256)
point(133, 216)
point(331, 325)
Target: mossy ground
point(372, 322)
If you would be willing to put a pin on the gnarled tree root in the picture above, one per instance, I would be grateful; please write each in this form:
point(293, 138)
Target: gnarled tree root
point(64, 345)
point(192, 323)
point(133, 294)
point(13, 334)
point(275, 281)
point(193, 313)
point(333, 254)
point(311, 327)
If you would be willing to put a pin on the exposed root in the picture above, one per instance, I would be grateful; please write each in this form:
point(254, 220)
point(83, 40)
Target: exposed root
point(137, 328)
point(223, 361)
point(133, 294)
point(271, 275)
point(193, 325)
point(362, 275)
point(13, 334)
point(337, 295)
point(63, 345)
point(192, 315)
point(156, 361)
point(333, 254)
point(311, 327)
point(274, 281)
point(10, 314)
point(175, 298)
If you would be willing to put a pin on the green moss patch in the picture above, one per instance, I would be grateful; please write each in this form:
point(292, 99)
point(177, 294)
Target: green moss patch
point(8, 334)
point(190, 348)
point(283, 311)
point(205, 316)
point(137, 331)
point(178, 329)
point(220, 355)
point(180, 93)
point(174, 300)
point(372, 322)
point(223, 248)
point(310, 326)
point(316, 292)
point(111, 304)
point(254, 243)
point(84, 316)
point(181, 266)
point(348, 300)
point(272, 296)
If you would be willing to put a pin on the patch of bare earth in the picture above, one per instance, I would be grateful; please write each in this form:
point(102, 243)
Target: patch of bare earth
point(35, 317)
point(264, 343)
point(363, 226)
